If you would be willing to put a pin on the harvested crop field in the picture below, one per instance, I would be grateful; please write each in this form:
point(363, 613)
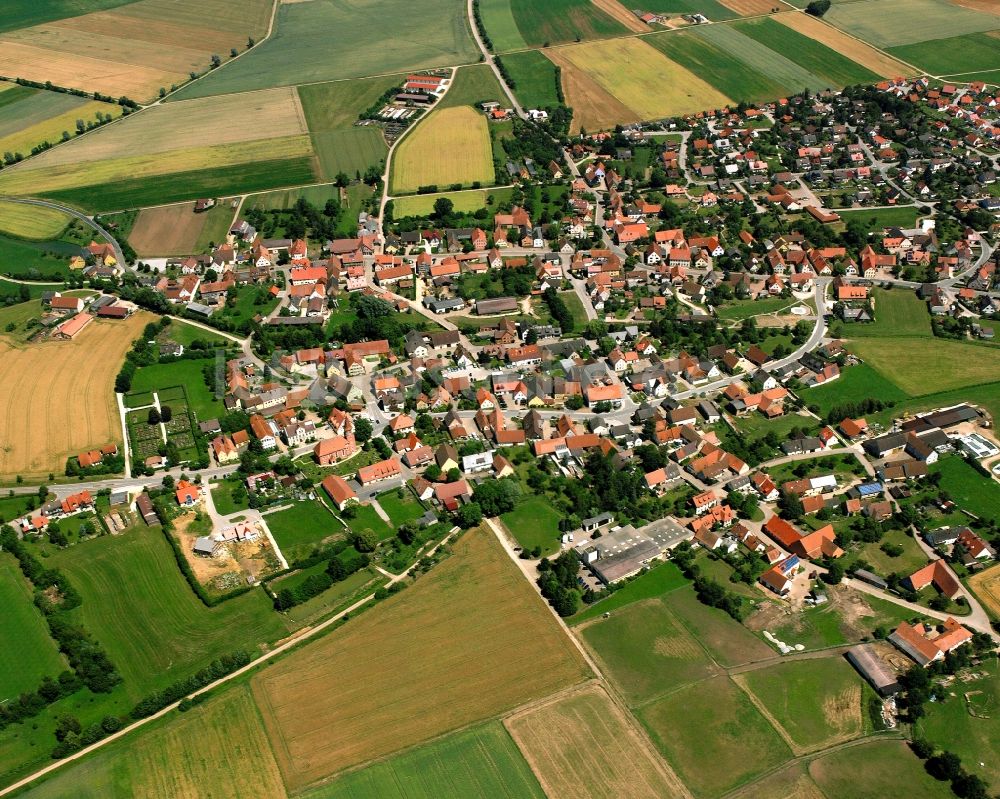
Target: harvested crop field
point(177, 229)
point(276, 114)
point(217, 750)
point(31, 221)
point(854, 49)
point(452, 145)
point(986, 586)
point(44, 386)
point(594, 108)
point(134, 50)
point(749, 8)
point(583, 745)
point(626, 68)
point(468, 641)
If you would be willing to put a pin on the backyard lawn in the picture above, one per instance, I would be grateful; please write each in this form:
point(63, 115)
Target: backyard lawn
point(969, 489)
point(400, 509)
point(301, 527)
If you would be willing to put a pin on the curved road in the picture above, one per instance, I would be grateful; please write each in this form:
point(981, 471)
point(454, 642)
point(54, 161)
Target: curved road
point(87, 220)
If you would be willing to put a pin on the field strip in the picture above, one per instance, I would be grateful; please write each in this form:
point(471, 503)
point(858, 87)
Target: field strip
point(861, 52)
point(762, 709)
point(291, 643)
point(618, 12)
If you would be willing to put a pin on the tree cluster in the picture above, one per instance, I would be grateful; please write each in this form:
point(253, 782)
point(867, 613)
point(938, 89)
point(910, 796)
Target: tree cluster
point(558, 582)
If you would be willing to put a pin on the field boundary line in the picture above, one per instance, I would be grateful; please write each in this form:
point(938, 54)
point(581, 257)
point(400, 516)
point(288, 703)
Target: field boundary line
point(291, 643)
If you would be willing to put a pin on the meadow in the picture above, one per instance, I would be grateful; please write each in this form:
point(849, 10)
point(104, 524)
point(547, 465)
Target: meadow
point(31, 221)
point(624, 69)
point(815, 704)
point(879, 768)
point(301, 527)
point(714, 10)
point(967, 487)
point(187, 373)
point(890, 23)
point(535, 77)
point(660, 579)
point(558, 21)
point(904, 216)
point(954, 54)
point(498, 19)
point(481, 762)
point(31, 653)
point(44, 384)
point(724, 741)
point(46, 259)
point(922, 366)
point(646, 651)
point(30, 117)
point(950, 725)
point(466, 201)
point(218, 750)
point(134, 50)
point(472, 86)
point(833, 66)
point(138, 605)
point(728, 642)
point(534, 522)
point(452, 145)
point(583, 745)
point(718, 66)
point(855, 384)
point(898, 313)
point(331, 109)
point(299, 50)
point(472, 637)
point(286, 198)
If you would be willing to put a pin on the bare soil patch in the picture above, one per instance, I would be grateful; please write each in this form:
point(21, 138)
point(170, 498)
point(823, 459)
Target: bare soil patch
point(751, 8)
point(168, 230)
point(617, 11)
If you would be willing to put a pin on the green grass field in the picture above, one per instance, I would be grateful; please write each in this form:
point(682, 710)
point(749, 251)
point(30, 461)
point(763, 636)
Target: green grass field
point(909, 561)
point(31, 653)
point(500, 25)
point(659, 580)
point(576, 309)
point(299, 50)
point(479, 762)
point(140, 608)
point(889, 23)
point(366, 518)
point(401, 510)
point(48, 260)
point(972, 491)
point(183, 333)
point(921, 366)
point(180, 186)
point(646, 651)
point(756, 425)
point(817, 702)
point(535, 77)
point(334, 598)
point(187, 373)
point(331, 110)
point(904, 216)
point(879, 768)
point(723, 741)
point(557, 21)
point(534, 522)
point(738, 310)
point(897, 313)
point(718, 66)
point(472, 86)
point(836, 69)
point(855, 383)
point(967, 53)
point(301, 527)
point(286, 198)
point(727, 641)
point(463, 201)
point(988, 76)
point(950, 725)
